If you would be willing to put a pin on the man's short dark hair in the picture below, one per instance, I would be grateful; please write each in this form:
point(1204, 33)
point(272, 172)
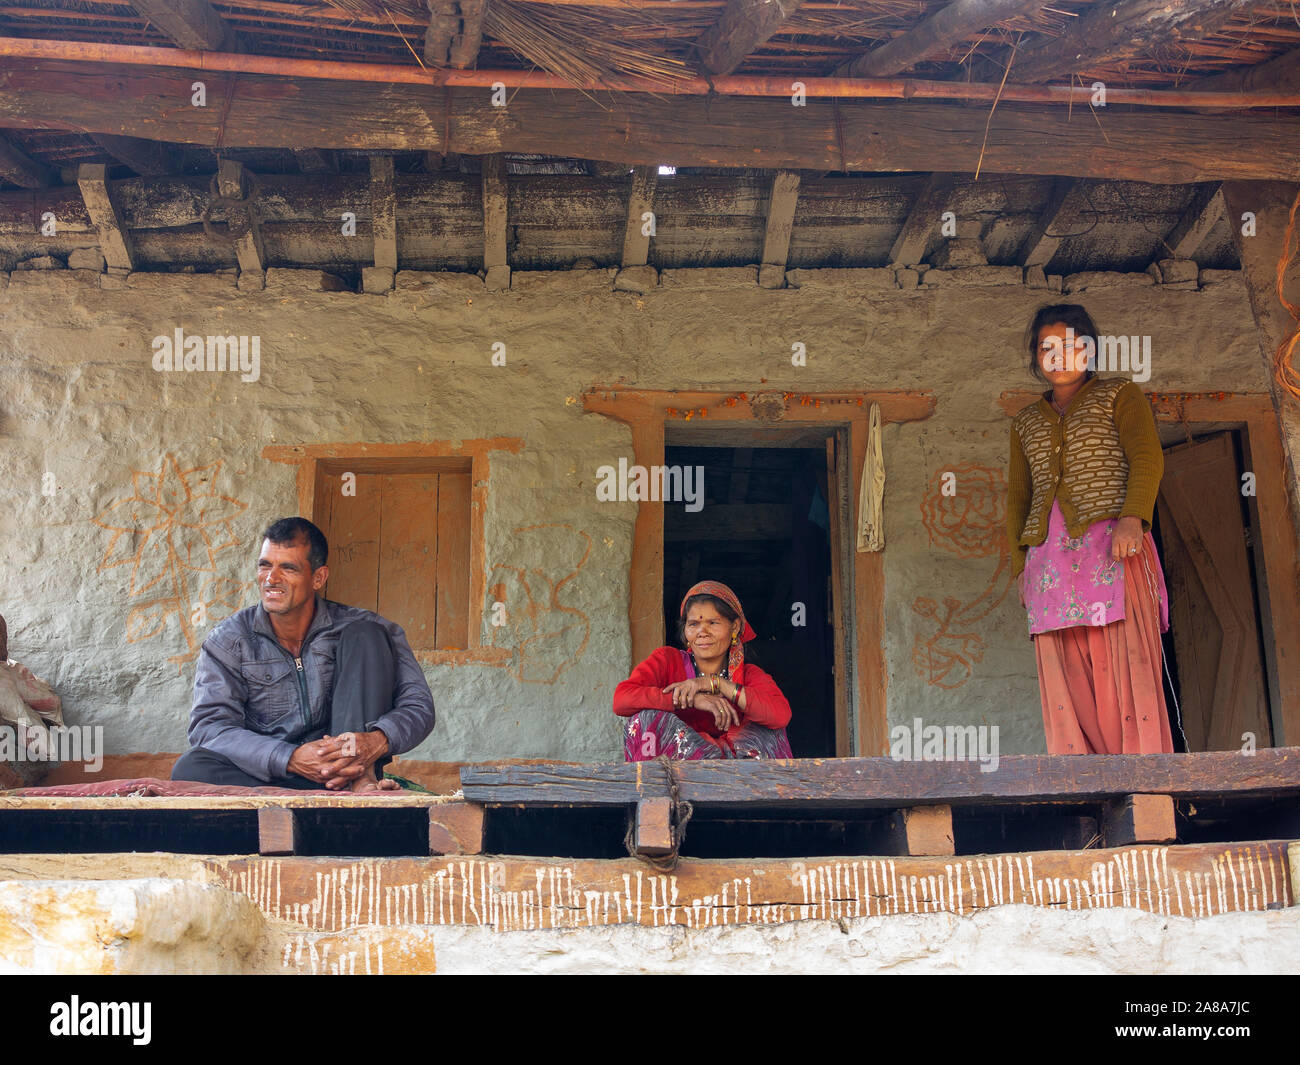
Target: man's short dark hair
point(291, 530)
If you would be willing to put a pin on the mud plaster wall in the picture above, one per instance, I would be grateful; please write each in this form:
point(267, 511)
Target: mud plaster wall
point(81, 401)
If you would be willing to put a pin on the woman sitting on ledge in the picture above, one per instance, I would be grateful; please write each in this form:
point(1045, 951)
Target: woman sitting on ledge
point(705, 701)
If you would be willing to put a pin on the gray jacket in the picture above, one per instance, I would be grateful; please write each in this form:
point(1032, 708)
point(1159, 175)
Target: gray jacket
point(250, 707)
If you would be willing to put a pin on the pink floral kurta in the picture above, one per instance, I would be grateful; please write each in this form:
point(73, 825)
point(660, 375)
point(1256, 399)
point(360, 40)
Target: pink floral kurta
point(1069, 581)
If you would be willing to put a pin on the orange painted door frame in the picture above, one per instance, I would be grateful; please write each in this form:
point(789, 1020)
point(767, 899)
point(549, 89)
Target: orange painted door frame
point(646, 413)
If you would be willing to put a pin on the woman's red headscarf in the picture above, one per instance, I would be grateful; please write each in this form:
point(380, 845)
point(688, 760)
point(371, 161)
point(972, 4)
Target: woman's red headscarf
point(736, 656)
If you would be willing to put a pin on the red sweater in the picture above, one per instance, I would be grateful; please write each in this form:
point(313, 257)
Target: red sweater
point(643, 690)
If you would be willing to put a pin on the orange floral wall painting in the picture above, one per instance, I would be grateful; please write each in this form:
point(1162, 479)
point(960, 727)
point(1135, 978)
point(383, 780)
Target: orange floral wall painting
point(170, 530)
point(962, 511)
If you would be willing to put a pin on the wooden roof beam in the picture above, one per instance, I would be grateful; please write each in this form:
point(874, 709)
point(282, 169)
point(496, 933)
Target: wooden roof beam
point(892, 135)
point(1202, 213)
point(495, 242)
point(455, 33)
point(114, 240)
point(780, 224)
point(1109, 33)
point(742, 27)
point(193, 24)
point(17, 167)
point(1281, 74)
point(1063, 206)
point(910, 244)
point(147, 158)
point(640, 203)
point(945, 29)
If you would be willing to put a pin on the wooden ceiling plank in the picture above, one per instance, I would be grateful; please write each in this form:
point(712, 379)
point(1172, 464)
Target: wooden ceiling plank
point(742, 27)
point(114, 241)
point(780, 224)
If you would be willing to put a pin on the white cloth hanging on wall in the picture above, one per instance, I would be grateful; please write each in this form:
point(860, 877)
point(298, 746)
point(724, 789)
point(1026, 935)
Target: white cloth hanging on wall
point(871, 506)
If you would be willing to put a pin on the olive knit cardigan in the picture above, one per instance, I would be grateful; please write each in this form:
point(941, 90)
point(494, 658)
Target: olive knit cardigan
point(1101, 460)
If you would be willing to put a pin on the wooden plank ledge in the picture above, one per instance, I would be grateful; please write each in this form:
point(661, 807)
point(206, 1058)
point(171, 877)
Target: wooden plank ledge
point(884, 782)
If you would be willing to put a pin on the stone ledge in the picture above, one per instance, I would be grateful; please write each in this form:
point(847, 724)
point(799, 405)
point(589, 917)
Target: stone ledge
point(560, 282)
point(840, 279)
point(1099, 279)
point(710, 278)
point(440, 282)
point(974, 276)
point(283, 279)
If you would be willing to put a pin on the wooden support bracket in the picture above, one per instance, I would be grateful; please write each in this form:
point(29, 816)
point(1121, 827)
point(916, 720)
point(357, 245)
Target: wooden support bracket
point(924, 830)
point(456, 828)
point(1139, 819)
point(278, 831)
point(654, 827)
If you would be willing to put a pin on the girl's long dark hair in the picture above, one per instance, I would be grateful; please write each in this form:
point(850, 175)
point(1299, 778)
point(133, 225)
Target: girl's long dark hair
point(1070, 315)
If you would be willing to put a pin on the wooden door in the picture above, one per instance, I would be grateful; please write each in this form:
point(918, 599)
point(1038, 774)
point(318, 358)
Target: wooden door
point(1212, 597)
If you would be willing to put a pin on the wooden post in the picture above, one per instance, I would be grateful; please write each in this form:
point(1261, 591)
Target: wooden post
point(780, 223)
point(924, 830)
point(114, 243)
point(248, 248)
point(456, 828)
point(495, 243)
point(278, 831)
point(1139, 819)
point(640, 200)
point(654, 827)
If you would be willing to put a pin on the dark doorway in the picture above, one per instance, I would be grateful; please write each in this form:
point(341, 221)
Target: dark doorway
point(763, 530)
point(1206, 529)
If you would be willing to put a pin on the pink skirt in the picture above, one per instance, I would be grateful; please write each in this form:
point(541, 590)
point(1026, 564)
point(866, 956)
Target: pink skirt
point(1101, 685)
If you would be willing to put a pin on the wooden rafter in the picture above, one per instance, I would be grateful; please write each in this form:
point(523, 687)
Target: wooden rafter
point(922, 221)
point(1194, 226)
point(1109, 33)
point(147, 158)
point(946, 28)
point(1281, 73)
point(455, 33)
point(1062, 207)
point(691, 131)
point(640, 201)
point(114, 243)
point(193, 24)
point(20, 169)
point(742, 27)
point(780, 224)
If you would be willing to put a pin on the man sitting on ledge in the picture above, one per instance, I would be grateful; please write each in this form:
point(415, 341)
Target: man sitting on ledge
point(298, 692)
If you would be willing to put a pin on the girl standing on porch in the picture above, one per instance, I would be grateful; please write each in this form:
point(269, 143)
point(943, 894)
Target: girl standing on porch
point(705, 701)
point(1085, 469)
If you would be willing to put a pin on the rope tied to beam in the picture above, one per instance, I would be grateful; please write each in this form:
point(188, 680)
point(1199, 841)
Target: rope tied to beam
point(681, 814)
point(233, 206)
